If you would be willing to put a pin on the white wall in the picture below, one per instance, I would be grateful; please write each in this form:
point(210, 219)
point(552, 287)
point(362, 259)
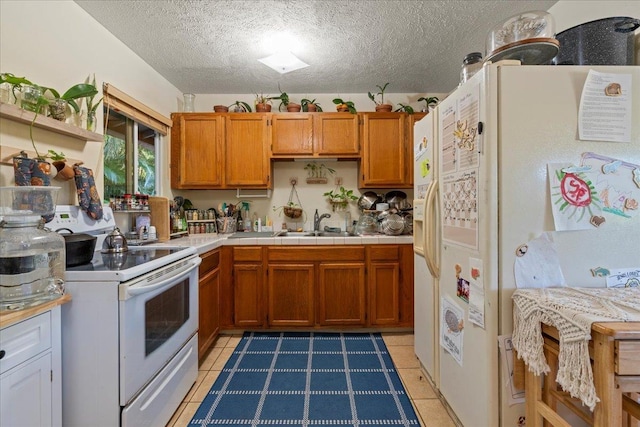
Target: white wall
point(57, 44)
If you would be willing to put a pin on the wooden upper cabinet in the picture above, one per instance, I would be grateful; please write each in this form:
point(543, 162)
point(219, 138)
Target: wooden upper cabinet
point(385, 151)
point(336, 135)
point(291, 134)
point(196, 151)
point(247, 162)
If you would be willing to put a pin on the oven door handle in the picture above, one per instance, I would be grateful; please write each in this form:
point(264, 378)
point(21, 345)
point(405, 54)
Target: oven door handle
point(138, 289)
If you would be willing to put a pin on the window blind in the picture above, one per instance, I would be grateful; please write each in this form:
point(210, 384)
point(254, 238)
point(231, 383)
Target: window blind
point(119, 101)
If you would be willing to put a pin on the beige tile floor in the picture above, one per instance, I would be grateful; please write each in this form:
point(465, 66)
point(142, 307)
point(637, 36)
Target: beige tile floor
point(430, 410)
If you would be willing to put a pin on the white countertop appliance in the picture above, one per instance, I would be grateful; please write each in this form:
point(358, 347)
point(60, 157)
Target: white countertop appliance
point(485, 193)
point(129, 335)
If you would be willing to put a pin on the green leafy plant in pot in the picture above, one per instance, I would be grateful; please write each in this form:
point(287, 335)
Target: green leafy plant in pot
point(345, 106)
point(263, 103)
point(380, 105)
point(340, 198)
point(310, 105)
point(430, 102)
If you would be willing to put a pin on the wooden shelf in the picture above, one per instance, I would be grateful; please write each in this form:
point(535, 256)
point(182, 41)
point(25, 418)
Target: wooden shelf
point(17, 114)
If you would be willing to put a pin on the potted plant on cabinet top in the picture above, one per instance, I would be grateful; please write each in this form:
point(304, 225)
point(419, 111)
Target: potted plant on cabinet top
point(340, 198)
point(310, 106)
point(240, 107)
point(380, 105)
point(263, 103)
point(345, 106)
point(285, 102)
point(430, 102)
point(404, 108)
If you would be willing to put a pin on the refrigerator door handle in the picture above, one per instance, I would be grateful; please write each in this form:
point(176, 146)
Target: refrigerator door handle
point(429, 229)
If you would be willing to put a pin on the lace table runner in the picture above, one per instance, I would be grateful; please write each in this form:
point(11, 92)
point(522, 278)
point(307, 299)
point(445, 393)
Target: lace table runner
point(571, 311)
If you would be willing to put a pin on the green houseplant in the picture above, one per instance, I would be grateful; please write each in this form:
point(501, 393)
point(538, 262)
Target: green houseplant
point(91, 106)
point(380, 105)
point(340, 198)
point(262, 103)
point(310, 105)
point(317, 173)
point(430, 101)
point(240, 107)
point(344, 106)
point(406, 108)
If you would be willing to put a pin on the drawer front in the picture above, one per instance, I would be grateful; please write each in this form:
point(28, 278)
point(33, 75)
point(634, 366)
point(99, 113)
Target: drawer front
point(252, 253)
point(384, 253)
point(316, 253)
point(24, 340)
point(210, 261)
point(628, 357)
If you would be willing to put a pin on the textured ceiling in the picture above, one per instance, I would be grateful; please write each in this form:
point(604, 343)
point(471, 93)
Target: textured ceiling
point(211, 47)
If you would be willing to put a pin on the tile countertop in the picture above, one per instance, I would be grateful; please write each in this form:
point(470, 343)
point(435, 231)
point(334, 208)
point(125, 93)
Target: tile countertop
point(206, 242)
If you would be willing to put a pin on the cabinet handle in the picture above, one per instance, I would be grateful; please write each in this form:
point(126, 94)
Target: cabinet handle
point(2, 353)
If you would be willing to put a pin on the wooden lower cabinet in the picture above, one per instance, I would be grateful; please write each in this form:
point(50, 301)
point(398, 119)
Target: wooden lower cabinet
point(317, 286)
point(390, 285)
point(208, 301)
point(247, 287)
point(341, 294)
point(290, 295)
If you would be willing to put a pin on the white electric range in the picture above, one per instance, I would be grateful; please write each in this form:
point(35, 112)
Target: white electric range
point(129, 335)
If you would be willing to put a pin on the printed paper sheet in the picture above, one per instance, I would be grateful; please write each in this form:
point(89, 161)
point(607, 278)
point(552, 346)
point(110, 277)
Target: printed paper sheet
point(459, 205)
point(452, 328)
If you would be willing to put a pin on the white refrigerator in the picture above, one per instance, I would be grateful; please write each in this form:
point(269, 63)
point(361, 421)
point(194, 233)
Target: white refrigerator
point(493, 164)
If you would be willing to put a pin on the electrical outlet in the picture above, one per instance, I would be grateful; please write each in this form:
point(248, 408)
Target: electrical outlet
point(338, 180)
point(293, 180)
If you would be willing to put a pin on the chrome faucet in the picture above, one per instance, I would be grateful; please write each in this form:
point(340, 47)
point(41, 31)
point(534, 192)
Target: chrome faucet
point(317, 218)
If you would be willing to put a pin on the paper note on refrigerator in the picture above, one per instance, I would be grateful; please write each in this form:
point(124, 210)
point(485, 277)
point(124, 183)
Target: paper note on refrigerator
point(624, 278)
point(574, 199)
point(605, 108)
point(459, 209)
point(476, 293)
point(452, 328)
point(537, 264)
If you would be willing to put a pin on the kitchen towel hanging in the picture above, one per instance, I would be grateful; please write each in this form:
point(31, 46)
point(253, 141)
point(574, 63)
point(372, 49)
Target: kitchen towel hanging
point(88, 197)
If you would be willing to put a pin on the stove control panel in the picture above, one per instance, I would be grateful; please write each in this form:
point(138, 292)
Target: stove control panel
point(75, 219)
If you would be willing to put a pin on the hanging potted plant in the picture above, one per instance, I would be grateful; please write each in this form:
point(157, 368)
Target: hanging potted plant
point(65, 171)
point(380, 105)
point(340, 198)
point(317, 173)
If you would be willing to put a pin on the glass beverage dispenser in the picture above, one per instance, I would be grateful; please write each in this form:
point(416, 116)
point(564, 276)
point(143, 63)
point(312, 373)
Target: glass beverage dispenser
point(32, 258)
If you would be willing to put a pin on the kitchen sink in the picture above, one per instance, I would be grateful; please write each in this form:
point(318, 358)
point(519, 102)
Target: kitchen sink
point(263, 234)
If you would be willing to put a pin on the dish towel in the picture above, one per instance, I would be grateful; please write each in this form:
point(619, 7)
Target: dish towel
point(88, 197)
point(571, 311)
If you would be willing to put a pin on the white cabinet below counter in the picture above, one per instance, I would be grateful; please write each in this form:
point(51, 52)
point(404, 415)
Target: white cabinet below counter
point(30, 366)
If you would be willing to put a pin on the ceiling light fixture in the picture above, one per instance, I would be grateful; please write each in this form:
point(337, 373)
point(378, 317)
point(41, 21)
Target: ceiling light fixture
point(283, 62)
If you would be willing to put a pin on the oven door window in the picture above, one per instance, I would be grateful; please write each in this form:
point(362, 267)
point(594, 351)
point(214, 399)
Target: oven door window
point(165, 314)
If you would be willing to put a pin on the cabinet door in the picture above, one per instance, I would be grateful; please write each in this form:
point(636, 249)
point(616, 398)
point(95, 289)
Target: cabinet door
point(208, 301)
point(336, 134)
point(384, 151)
point(196, 151)
point(25, 394)
point(290, 294)
point(384, 286)
point(246, 146)
point(341, 294)
point(291, 134)
point(247, 295)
